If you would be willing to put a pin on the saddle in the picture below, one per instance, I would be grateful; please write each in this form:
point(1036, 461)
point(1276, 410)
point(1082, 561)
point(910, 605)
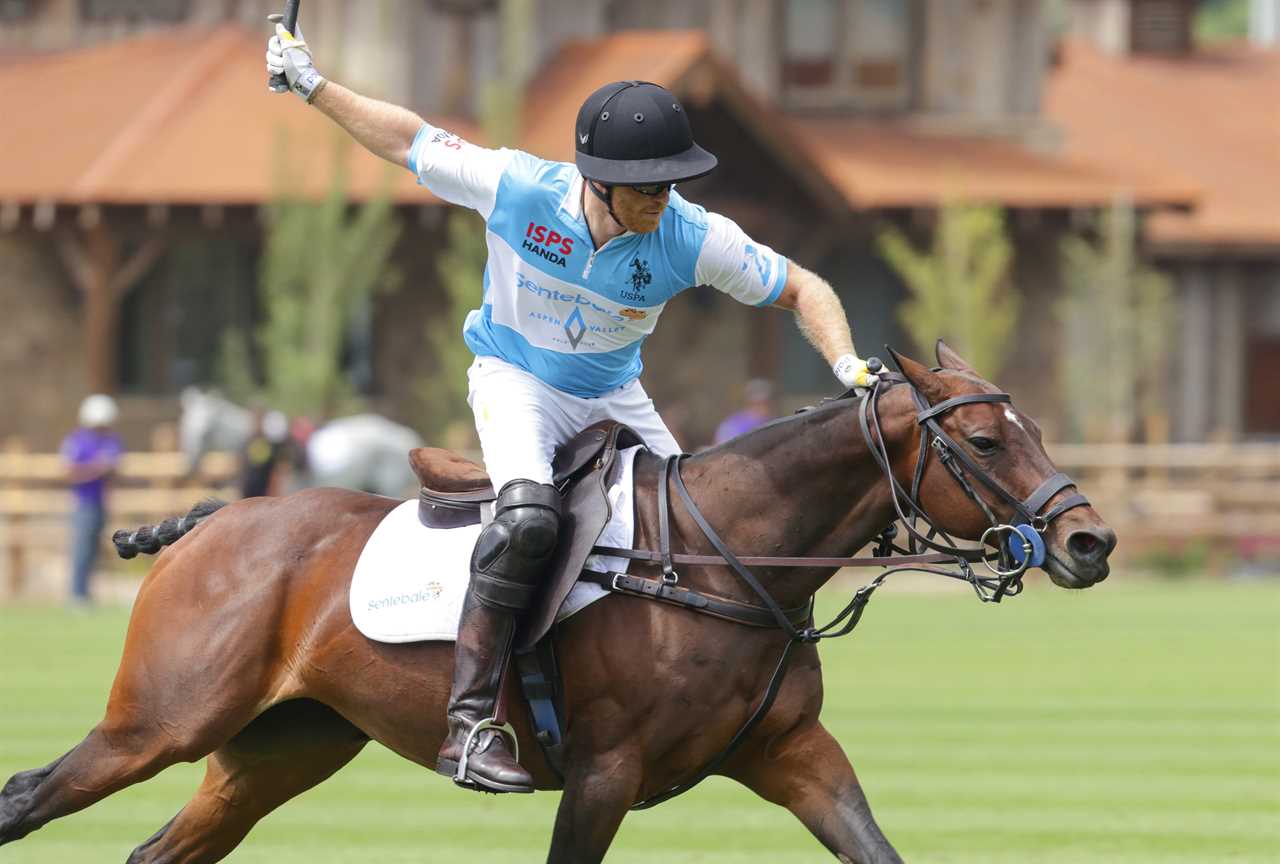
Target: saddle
point(455, 490)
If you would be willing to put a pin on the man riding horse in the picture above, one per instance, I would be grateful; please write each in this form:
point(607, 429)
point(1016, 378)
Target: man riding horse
point(582, 259)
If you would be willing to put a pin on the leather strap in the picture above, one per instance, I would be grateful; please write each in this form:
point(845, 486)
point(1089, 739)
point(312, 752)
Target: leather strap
point(747, 576)
point(1047, 490)
point(664, 520)
point(770, 693)
point(695, 601)
point(771, 561)
point(1069, 502)
point(955, 401)
point(499, 593)
point(539, 680)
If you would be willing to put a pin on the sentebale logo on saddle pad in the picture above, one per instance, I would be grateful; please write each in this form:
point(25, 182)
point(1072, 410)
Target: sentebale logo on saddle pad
point(390, 602)
point(429, 592)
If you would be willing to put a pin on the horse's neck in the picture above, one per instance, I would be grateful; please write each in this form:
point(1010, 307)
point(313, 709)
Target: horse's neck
point(809, 486)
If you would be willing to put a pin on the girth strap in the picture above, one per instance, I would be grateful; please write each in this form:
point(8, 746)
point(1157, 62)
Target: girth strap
point(766, 702)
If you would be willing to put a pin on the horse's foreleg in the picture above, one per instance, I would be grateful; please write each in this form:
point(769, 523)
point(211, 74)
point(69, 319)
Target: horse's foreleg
point(808, 773)
point(281, 754)
point(595, 800)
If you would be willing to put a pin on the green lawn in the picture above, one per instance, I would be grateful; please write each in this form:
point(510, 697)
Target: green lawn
point(1136, 722)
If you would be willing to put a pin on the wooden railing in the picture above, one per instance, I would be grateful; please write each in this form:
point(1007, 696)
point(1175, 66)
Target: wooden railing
point(1154, 493)
point(147, 488)
point(1151, 495)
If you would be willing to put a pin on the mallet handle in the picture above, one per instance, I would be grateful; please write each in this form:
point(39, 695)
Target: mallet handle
point(278, 83)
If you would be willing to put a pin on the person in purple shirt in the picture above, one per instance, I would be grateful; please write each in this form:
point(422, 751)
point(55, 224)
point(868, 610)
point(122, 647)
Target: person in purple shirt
point(758, 411)
point(90, 454)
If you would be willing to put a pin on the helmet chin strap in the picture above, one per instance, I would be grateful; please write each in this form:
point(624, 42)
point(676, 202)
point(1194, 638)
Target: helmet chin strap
point(607, 197)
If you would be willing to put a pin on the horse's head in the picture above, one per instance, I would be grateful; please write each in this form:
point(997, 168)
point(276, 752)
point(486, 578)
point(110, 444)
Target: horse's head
point(991, 466)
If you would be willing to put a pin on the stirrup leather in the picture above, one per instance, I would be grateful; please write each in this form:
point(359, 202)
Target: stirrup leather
point(487, 724)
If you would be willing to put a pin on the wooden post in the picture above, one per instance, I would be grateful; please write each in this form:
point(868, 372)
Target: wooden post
point(101, 322)
point(15, 448)
point(164, 439)
point(92, 256)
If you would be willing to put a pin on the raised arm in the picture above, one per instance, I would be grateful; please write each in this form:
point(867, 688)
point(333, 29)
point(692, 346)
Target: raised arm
point(453, 169)
point(383, 129)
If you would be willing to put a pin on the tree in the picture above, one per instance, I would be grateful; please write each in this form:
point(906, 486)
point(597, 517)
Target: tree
point(959, 289)
point(443, 393)
point(445, 416)
point(322, 263)
point(1117, 317)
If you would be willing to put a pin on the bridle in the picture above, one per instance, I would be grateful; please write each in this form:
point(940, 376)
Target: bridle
point(1018, 546)
point(1007, 550)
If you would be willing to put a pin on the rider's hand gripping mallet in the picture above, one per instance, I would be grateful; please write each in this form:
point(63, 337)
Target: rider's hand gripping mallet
point(278, 83)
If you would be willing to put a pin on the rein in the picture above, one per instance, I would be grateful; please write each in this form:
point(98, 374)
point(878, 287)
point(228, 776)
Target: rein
point(1019, 547)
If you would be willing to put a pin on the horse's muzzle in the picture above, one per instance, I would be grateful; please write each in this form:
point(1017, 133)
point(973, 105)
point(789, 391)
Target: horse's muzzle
point(1085, 562)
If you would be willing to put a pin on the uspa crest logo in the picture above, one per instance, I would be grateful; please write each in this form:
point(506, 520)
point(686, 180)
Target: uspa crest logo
point(640, 275)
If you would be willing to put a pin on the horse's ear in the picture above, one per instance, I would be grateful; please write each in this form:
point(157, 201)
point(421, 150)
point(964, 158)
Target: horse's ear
point(921, 377)
point(949, 359)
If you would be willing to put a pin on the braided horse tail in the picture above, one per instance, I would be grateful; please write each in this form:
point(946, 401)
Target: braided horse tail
point(151, 538)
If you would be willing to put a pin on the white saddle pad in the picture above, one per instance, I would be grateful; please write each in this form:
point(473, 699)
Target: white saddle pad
point(409, 582)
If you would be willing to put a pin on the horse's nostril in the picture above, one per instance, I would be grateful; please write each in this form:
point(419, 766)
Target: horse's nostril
point(1091, 545)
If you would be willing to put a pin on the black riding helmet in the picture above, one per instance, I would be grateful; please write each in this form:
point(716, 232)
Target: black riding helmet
point(634, 133)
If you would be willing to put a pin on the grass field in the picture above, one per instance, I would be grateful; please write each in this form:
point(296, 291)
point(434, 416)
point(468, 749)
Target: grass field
point(1135, 722)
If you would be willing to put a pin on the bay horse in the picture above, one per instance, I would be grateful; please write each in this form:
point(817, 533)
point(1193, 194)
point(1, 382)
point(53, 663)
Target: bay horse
point(241, 648)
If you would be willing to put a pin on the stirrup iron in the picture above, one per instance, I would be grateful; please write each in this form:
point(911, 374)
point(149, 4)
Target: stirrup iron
point(489, 723)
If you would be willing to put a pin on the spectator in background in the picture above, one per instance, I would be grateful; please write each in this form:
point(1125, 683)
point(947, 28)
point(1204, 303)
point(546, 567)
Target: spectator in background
point(758, 410)
point(90, 454)
point(263, 456)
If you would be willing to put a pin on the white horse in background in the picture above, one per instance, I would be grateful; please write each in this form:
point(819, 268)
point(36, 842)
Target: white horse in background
point(364, 451)
point(209, 423)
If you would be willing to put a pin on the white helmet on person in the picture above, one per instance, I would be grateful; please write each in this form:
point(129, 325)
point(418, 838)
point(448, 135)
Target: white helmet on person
point(98, 409)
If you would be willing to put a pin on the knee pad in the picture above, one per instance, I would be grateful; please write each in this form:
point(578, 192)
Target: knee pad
point(515, 548)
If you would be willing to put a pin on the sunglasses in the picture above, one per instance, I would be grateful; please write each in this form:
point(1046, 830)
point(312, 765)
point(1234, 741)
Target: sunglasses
point(653, 190)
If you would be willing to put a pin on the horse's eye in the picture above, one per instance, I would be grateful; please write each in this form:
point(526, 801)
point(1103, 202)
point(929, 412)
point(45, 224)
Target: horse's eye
point(985, 446)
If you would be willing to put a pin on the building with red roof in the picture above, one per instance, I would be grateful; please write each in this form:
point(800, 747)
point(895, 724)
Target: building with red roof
point(137, 173)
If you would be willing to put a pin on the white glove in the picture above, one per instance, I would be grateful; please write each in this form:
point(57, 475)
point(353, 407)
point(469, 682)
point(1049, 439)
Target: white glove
point(288, 53)
point(852, 371)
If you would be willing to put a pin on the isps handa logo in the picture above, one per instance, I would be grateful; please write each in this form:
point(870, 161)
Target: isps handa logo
point(547, 243)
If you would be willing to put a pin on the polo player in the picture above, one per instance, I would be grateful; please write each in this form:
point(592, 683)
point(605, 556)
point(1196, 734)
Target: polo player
point(582, 258)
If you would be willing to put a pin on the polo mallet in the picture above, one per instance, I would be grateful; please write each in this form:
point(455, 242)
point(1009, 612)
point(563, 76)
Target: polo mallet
point(278, 83)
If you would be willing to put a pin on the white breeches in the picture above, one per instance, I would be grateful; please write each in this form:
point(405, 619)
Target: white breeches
point(521, 420)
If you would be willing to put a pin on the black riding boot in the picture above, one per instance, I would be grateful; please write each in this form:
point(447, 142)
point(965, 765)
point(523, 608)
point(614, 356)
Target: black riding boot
point(508, 563)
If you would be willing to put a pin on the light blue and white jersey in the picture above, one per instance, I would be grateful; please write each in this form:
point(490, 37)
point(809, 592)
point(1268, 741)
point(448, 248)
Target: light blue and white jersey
point(569, 314)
